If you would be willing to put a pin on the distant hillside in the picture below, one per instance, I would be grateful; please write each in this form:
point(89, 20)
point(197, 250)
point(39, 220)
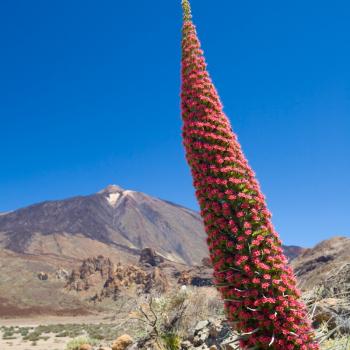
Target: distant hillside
point(53, 236)
point(326, 259)
point(113, 220)
point(292, 251)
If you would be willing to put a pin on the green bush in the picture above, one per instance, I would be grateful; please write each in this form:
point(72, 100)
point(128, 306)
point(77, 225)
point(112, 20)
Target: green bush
point(171, 341)
point(75, 343)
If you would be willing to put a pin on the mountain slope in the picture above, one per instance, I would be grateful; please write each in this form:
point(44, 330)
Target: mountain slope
point(326, 259)
point(114, 222)
point(119, 220)
point(47, 237)
point(293, 251)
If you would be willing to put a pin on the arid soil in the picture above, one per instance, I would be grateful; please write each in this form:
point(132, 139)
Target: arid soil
point(52, 320)
point(47, 332)
point(52, 343)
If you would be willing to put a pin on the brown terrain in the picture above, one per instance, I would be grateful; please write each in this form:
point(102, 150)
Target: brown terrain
point(113, 222)
point(76, 256)
point(323, 263)
point(38, 242)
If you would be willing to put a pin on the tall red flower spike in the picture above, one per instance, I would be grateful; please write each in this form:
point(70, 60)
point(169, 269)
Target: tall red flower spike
point(250, 270)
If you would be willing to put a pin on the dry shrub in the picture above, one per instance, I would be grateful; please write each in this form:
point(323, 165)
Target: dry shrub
point(177, 312)
point(202, 304)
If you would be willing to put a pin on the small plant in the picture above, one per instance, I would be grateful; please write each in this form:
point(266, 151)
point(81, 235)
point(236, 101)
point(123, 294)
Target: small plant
point(171, 341)
point(336, 344)
point(8, 333)
point(33, 337)
point(8, 337)
point(24, 331)
point(75, 343)
point(159, 317)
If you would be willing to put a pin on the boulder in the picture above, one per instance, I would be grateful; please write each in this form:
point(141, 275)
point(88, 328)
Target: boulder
point(85, 347)
point(199, 339)
point(215, 329)
point(43, 276)
point(230, 343)
point(211, 334)
point(186, 345)
point(62, 274)
point(122, 342)
point(201, 325)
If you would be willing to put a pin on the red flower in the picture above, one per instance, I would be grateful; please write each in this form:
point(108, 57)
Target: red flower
point(249, 266)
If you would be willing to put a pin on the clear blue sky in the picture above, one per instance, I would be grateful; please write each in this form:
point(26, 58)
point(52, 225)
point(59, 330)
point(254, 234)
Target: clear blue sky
point(89, 95)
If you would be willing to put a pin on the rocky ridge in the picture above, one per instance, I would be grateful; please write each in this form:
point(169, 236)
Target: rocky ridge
point(326, 260)
point(324, 276)
point(48, 240)
point(98, 278)
point(115, 221)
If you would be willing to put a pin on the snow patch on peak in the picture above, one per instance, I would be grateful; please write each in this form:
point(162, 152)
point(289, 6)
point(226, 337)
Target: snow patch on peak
point(112, 198)
point(114, 193)
point(112, 189)
point(128, 192)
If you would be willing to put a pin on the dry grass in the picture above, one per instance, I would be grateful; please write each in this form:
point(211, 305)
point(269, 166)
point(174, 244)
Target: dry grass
point(164, 319)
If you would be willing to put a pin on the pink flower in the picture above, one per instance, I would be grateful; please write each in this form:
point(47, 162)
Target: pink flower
point(244, 247)
point(230, 244)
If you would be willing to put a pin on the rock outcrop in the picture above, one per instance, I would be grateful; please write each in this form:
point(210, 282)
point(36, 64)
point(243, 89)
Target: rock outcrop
point(156, 281)
point(43, 276)
point(62, 274)
point(149, 257)
point(206, 335)
point(99, 278)
point(317, 265)
point(324, 275)
point(200, 276)
point(92, 273)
